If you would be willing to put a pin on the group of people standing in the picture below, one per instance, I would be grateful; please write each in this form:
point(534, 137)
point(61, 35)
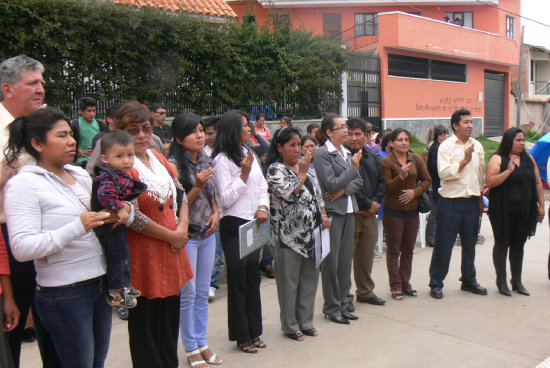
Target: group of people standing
point(170, 210)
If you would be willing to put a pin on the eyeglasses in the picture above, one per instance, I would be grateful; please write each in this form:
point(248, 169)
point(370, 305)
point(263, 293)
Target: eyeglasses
point(135, 131)
point(340, 127)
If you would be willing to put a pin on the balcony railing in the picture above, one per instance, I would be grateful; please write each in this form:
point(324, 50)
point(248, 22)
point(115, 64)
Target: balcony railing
point(542, 88)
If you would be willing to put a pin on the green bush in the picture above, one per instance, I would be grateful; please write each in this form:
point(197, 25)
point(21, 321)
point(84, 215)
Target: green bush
point(114, 52)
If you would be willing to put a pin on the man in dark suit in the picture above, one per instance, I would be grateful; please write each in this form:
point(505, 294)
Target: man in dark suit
point(368, 200)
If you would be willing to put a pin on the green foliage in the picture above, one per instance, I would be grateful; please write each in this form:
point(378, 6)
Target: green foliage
point(114, 52)
point(532, 136)
point(417, 146)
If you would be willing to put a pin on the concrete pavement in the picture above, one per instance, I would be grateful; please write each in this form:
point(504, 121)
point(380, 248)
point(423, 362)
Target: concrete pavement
point(461, 330)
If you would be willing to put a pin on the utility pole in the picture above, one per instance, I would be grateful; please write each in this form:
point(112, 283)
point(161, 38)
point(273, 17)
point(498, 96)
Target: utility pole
point(518, 121)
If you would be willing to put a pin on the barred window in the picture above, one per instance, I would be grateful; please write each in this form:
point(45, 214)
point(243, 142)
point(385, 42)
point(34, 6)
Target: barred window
point(415, 67)
point(366, 24)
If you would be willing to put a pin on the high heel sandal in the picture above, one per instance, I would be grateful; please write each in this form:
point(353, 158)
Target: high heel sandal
point(258, 343)
point(214, 358)
point(247, 347)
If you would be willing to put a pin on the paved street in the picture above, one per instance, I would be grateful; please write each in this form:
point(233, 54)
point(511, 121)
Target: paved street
point(461, 330)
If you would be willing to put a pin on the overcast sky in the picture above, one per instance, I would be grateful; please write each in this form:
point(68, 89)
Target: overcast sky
point(538, 10)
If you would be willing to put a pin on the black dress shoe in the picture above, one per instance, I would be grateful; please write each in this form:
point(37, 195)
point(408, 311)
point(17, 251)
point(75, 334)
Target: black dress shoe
point(347, 315)
point(374, 300)
point(436, 293)
point(473, 287)
point(338, 319)
point(350, 307)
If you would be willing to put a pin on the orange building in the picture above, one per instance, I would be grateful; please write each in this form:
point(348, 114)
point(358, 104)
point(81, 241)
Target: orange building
point(434, 56)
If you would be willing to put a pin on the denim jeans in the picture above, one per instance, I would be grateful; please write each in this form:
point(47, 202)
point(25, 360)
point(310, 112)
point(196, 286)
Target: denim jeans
point(194, 294)
point(79, 322)
point(218, 261)
point(455, 216)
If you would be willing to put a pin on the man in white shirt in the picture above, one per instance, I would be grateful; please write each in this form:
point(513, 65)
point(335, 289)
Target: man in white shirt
point(22, 93)
point(460, 163)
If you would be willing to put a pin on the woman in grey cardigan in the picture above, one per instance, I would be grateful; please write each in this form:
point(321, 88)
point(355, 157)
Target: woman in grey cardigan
point(297, 209)
point(338, 176)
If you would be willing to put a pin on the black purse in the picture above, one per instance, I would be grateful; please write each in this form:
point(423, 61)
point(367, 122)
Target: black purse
point(424, 204)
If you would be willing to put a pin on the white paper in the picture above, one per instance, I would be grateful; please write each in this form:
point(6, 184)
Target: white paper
point(249, 237)
point(322, 244)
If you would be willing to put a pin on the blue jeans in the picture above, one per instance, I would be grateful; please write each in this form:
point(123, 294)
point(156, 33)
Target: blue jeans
point(79, 322)
point(455, 216)
point(194, 294)
point(267, 257)
point(218, 261)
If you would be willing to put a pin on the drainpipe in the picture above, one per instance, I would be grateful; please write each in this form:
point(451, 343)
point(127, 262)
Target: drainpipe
point(520, 96)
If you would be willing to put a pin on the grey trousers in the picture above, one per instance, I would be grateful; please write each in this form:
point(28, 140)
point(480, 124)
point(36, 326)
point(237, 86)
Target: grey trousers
point(297, 280)
point(5, 355)
point(336, 268)
point(364, 243)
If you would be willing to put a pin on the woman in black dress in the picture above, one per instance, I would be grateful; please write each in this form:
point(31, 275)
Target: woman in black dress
point(516, 203)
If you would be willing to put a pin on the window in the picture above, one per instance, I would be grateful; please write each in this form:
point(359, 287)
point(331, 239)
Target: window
point(366, 24)
point(414, 67)
point(332, 26)
point(465, 19)
point(510, 27)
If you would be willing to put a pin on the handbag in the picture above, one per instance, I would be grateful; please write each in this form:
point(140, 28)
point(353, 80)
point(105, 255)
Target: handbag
point(424, 204)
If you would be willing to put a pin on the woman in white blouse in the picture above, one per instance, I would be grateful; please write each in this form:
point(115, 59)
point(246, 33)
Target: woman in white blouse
point(243, 197)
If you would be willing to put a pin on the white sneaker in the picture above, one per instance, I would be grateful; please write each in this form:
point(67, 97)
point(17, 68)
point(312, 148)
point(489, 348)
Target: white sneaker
point(211, 294)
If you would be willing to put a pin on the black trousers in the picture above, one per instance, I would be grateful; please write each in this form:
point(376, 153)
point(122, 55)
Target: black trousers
point(153, 328)
point(517, 234)
point(117, 255)
point(244, 306)
point(23, 282)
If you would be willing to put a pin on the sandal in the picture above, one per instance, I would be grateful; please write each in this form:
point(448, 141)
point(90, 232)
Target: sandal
point(214, 358)
point(258, 343)
point(197, 362)
point(397, 296)
point(298, 336)
point(247, 347)
point(411, 292)
point(310, 332)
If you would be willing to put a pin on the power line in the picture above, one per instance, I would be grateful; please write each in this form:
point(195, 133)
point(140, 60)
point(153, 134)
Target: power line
point(517, 15)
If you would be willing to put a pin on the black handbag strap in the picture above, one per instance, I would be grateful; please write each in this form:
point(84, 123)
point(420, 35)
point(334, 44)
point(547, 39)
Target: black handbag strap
point(418, 181)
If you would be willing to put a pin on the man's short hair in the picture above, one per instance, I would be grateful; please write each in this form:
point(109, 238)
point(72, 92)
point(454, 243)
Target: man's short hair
point(157, 105)
point(113, 137)
point(211, 121)
point(12, 69)
point(357, 123)
point(86, 102)
point(457, 116)
point(110, 111)
point(312, 126)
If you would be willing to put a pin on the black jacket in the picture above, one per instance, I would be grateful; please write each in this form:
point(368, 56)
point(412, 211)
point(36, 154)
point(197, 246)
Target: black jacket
point(374, 184)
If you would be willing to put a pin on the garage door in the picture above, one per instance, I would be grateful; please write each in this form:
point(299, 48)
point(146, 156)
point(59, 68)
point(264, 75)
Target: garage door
point(494, 104)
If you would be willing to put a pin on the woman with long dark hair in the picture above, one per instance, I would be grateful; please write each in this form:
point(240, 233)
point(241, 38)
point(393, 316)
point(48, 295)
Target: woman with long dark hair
point(338, 176)
point(440, 134)
point(297, 209)
point(195, 173)
point(406, 179)
point(243, 196)
point(49, 221)
point(516, 203)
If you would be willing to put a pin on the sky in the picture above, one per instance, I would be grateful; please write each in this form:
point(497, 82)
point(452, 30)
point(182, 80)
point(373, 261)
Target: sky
point(538, 10)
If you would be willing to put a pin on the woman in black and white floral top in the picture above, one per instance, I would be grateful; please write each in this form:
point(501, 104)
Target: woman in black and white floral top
point(297, 209)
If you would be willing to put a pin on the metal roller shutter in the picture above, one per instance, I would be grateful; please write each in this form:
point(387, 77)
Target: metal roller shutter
point(494, 104)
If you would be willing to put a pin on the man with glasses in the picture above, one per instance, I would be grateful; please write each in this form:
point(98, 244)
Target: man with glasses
point(158, 117)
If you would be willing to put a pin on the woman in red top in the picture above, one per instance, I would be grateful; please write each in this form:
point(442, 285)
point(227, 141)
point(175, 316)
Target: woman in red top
point(8, 309)
point(159, 265)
